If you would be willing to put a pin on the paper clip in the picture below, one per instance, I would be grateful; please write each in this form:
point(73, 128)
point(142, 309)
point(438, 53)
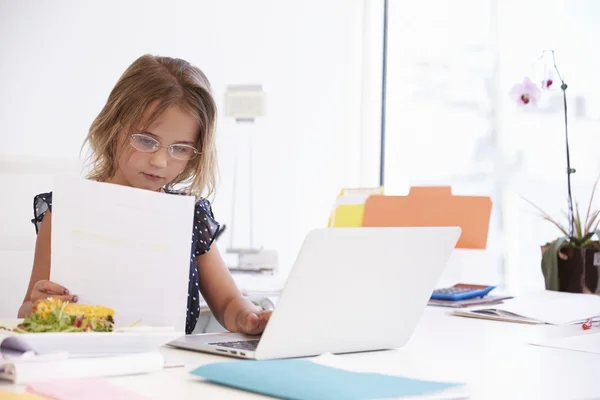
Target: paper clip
point(587, 324)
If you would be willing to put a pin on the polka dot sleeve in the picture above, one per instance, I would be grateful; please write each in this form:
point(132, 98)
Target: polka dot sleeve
point(41, 204)
point(205, 226)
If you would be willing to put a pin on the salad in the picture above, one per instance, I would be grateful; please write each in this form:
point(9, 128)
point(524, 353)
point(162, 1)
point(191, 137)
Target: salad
point(53, 315)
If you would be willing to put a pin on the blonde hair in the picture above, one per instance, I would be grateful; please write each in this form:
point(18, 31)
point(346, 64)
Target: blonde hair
point(170, 82)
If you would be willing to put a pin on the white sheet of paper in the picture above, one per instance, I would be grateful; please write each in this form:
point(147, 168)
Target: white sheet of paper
point(124, 248)
point(587, 343)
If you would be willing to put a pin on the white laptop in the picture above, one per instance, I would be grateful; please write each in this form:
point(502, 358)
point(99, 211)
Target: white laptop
point(350, 290)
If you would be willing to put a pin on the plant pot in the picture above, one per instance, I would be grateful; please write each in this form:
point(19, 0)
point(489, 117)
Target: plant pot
point(576, 270)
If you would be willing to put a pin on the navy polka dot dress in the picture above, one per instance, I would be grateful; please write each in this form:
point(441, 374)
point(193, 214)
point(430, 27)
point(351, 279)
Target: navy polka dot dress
point(204, 232)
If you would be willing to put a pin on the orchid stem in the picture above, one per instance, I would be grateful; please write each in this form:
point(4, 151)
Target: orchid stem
point(563, 87)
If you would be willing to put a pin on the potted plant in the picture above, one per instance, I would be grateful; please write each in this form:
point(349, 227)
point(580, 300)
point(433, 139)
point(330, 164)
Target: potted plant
point(571, 262)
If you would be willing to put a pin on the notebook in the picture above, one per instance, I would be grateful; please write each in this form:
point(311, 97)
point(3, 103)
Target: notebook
point(19, 370)
point(567, 309)
point(125, 341)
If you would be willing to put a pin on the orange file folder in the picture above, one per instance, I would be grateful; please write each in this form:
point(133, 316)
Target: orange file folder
point(433, 206)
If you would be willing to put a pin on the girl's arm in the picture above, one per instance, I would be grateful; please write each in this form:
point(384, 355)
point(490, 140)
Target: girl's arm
point(41, 262)
point(39, 286)
point(233, 311)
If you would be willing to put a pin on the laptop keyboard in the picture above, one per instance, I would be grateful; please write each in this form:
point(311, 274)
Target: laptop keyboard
point(241, 345)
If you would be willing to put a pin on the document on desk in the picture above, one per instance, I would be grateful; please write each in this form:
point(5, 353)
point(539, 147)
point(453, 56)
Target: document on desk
point(587, 343)
point(124, 248)
point(565, 310)
point(324, 377)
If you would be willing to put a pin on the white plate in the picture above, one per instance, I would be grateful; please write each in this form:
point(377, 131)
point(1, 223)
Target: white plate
point(88, 342)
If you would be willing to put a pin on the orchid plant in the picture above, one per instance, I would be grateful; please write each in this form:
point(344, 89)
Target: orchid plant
point(528, 93)
point(585, 225)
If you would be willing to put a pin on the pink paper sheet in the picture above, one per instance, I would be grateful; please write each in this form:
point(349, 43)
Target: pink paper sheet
point(89, 389)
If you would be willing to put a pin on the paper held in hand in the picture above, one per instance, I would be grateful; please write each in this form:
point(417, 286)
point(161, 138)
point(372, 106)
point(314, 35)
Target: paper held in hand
point(123, 248)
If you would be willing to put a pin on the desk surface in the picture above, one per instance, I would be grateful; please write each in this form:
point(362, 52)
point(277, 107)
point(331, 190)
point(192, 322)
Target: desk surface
point(492, 357)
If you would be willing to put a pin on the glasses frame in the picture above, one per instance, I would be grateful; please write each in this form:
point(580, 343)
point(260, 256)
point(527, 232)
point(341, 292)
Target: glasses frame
point(158, 146)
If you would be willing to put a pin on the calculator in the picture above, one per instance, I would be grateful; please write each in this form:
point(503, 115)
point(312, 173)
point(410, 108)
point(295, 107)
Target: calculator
point(461, 291)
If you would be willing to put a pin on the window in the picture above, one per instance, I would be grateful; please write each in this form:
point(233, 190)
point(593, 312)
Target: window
point(450, 119)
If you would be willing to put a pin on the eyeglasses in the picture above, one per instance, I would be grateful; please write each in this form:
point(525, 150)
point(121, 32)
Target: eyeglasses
point(147, 144)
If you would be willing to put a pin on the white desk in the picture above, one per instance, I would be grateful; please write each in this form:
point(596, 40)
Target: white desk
point(490, 356)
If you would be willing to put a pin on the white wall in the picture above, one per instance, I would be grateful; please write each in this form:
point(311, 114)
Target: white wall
point(21, 178)
point(60, 60)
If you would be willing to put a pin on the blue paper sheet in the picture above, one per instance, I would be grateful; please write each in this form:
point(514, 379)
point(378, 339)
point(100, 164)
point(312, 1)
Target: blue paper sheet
point(302, 379)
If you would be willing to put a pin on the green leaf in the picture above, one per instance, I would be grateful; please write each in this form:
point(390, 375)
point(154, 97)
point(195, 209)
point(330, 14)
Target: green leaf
point(559, 226)
point(574, 241)
point(578, 230)
point(590, 223)
point(596, 226)
point(587, 239)
point(587, 222)
point(548, 218)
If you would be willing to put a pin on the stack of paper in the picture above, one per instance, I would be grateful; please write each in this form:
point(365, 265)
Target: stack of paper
point(563, 310)
point(488, 300)
point(26, 357)
point(47, 368)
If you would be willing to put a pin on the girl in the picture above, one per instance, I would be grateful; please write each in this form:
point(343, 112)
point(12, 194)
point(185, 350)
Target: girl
point(157, 130)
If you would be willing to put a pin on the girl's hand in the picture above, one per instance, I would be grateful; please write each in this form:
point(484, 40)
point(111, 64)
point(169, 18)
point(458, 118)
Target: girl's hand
point(44, 289)
point(252, 322)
